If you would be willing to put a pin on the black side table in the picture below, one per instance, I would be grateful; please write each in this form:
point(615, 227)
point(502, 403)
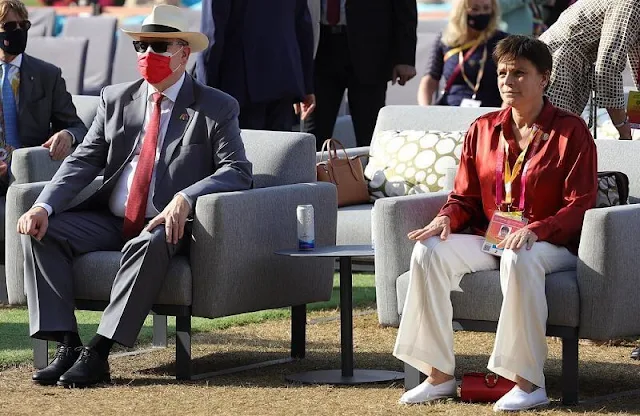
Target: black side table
point(346, 375)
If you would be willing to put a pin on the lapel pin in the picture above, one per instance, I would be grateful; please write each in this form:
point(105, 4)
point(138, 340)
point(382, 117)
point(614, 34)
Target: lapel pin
point(184, 117)
point(545, 137)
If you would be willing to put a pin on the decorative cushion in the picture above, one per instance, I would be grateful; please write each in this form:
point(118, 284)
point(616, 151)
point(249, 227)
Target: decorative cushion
point(411, 161)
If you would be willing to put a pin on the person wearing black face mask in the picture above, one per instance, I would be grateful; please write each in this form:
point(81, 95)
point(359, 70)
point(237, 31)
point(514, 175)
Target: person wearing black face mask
point(479, 22)
point(462, 56)
point(36, 108)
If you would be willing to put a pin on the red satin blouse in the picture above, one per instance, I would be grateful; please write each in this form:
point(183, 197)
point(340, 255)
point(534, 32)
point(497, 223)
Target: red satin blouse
point(561, 180)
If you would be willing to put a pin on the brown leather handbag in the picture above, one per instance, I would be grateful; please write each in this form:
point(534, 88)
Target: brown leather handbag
point(345, 173)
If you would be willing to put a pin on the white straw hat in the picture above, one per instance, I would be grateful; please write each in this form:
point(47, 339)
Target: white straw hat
point(169, 22)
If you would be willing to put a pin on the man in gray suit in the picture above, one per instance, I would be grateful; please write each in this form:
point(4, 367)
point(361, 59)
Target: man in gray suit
point(162, 142)
point(36, 107)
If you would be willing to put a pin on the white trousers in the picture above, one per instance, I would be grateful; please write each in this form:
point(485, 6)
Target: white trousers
point(425, 336)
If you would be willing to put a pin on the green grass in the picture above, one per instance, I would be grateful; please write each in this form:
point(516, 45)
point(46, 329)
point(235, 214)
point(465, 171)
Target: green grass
point(15, 344)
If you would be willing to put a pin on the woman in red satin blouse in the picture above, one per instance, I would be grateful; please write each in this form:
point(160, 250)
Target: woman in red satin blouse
point(531, 164)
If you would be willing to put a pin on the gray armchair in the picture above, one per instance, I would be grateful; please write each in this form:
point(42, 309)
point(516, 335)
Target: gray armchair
point(231, 267)
point(23, 170)
point(594, 302)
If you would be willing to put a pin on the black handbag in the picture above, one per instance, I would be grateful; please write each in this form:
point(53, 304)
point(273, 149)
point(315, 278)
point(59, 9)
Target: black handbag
point(613, 189)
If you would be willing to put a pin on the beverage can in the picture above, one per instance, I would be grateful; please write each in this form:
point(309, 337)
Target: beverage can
point(306, 227)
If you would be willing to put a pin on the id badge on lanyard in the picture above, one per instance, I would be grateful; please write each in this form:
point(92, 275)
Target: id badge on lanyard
point(472, 102)
point(504, 223)
point(633, 109)
point(505, 175)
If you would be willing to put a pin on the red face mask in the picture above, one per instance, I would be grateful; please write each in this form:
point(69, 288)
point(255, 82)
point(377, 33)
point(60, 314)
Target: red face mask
point(155, 68)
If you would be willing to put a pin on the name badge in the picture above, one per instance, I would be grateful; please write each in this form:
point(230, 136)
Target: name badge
point(633, 109)
point(468, 102)
point(502, 224)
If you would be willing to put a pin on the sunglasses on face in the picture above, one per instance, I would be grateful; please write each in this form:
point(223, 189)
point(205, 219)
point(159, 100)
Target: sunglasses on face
point(11, 26)
point(157, 46)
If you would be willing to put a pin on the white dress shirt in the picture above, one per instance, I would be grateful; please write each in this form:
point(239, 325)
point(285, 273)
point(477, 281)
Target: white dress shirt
point(118, 200)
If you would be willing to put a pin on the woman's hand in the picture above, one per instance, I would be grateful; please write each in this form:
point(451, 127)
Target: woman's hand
point(439, 225)
point(516, 240)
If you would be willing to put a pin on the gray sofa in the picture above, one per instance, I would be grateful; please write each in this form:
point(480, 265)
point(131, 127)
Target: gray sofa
point(594, 302)
point(231, 267)
point(354, 222)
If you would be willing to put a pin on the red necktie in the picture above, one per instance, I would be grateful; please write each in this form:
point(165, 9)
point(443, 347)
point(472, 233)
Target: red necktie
point(333, 12)
point(139, 192)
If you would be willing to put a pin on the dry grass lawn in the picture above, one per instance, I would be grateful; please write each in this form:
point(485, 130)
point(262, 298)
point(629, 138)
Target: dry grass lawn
point(144, 384)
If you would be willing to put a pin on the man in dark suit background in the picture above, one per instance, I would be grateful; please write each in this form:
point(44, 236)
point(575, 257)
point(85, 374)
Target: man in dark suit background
point(262, 55)
point(36, 107)
point(363, 45)
point(160, 143)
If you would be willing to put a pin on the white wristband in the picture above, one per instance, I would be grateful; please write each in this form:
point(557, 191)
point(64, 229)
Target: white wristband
point(625, 121)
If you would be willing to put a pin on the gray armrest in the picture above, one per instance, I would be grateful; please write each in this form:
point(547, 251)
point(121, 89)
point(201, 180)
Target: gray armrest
point(20, 198)
point(608, 267)
point(353, 151)
point(33, 164)
point(393, 218)
point(235, 235)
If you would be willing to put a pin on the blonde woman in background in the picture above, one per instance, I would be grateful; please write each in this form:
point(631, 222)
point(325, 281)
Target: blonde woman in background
point(469, 38)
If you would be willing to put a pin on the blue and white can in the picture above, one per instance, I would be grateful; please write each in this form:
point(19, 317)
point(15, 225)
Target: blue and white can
point(306, 227)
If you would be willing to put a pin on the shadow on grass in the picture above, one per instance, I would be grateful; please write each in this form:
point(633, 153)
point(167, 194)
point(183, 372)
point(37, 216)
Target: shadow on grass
point(272, 376)
point(14, 325)
point(15, 336)
point(599, 381)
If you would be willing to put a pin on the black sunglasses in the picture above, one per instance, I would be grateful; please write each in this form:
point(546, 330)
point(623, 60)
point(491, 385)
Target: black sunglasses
point(159, 46)
point(11, 26)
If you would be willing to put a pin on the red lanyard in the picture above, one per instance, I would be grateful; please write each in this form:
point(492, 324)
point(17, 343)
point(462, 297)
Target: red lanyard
point(500, 169)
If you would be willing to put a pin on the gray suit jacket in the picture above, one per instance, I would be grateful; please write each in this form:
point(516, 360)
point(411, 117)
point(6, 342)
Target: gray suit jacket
point(44, 105)
point(202, 151)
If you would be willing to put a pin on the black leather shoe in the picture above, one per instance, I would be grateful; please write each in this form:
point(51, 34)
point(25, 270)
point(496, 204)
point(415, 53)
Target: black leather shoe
point(635, 354)
point(90, 369)
point(62, 361)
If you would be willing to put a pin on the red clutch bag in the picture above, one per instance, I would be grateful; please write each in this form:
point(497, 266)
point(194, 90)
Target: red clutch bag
point(484, 387)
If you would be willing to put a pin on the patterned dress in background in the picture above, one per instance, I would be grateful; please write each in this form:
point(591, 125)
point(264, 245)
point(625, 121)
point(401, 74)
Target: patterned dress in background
point(590, 43)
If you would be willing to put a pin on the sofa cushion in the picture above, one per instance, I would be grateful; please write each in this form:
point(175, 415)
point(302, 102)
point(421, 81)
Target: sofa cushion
point(482, 297)
point(354, 224)
point(411, 161)
point(95, 272)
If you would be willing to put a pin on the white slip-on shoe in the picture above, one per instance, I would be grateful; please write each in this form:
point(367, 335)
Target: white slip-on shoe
point(517, 399)
point(426, 392)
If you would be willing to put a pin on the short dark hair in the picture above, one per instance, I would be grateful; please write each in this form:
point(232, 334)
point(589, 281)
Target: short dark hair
point(520, 46)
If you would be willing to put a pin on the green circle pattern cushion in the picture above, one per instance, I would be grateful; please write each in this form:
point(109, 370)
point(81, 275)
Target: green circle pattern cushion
point(411, 162)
